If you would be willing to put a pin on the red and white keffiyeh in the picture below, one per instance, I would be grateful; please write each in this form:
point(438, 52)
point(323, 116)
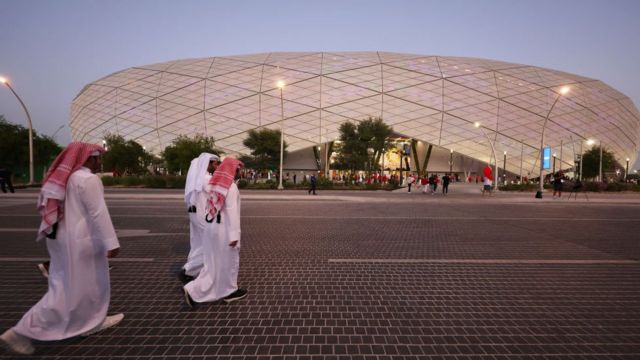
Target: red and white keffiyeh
point(54, 187)
point(220, 182)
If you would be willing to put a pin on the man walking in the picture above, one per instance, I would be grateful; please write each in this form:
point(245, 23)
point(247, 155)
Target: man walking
point(5, 180)
point(197, 178)
point(445, 184)
point(314, 182)
point(410, 181)
point(218, 278)
point(80, 237)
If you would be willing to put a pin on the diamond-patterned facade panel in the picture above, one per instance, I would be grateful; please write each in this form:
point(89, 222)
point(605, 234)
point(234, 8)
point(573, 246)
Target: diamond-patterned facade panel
point(435, 99)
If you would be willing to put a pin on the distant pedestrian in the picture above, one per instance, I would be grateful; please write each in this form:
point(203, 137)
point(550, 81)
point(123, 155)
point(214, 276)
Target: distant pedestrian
point(445, 184)
point(314, 182)
point(436, 180)
point(294, 178)
point(5, 180)
point(424, 182)
point(487, 181)
point(80, 237)
point(410, 181)
point(558, 180)
point(218, 278)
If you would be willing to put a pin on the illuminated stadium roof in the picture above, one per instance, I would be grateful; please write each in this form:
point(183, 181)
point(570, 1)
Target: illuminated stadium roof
point(435, 99)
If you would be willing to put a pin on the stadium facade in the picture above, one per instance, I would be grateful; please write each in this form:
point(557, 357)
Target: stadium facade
point(433, 99)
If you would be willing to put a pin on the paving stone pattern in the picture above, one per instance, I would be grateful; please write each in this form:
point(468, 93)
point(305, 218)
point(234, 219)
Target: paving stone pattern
point(312, 297)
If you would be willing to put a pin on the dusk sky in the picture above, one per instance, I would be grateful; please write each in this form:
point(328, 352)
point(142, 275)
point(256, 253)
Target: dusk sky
point(51, 49)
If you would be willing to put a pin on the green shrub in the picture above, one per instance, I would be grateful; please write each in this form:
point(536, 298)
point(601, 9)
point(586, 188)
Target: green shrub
point(324, 183)
point(130, 181)
point(519, 187)
point(593, 186)
point(109, 181)
point(242, 184)
point(155, 182)
point(176, 182)
point(618, 186)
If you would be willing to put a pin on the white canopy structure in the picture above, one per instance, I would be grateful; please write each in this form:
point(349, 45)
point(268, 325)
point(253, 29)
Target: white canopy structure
point(433, 99)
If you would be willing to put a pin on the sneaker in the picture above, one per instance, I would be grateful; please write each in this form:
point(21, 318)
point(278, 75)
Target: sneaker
point(187, 298)
point(236, 295)
point(108, 322)
point(16, 343)
point(184, 278)
point(44, 269)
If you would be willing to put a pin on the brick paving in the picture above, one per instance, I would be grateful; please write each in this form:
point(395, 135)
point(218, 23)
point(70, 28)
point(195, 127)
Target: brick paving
point(366, 275)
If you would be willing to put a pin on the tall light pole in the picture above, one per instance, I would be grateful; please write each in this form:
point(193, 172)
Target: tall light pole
point(521, 159)
point(6, 82)
point(563, 91)
point(504, 167)
point(450, 163)
point(626, 170)
point(589, 142)
point(600, 166)
point(281, 85)
point(493, 150)
point(554, 163)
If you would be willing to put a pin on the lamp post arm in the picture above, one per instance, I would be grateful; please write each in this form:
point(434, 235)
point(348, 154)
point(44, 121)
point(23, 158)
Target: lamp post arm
point(30, 133)
point(544, 127)
point(280, 187)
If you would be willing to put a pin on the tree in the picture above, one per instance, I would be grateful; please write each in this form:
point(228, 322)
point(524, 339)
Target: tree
point(265, 149)
point(591, 162)
point(14, 149)
point(363, 143)
point(125, 156)
point(179, 154)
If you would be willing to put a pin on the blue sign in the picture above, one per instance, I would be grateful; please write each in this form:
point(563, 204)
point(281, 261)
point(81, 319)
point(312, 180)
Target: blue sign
point(546, 158)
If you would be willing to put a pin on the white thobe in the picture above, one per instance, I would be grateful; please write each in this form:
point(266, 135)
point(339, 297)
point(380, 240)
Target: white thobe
point(219, 275)
point(79, 291)
point(196, 232)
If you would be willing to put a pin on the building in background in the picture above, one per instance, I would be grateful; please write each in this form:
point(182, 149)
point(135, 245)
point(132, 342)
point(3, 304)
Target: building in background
point(432, 99)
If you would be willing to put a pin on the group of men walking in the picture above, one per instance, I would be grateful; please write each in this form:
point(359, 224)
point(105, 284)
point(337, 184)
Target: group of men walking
point(81, 238)
point(430, 184)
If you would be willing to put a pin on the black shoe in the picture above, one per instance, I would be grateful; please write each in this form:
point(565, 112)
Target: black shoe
point(187, 299)
point(184, 278)
point(236, 295)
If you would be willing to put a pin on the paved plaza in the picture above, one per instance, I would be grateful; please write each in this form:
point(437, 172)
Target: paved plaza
point(361, 275)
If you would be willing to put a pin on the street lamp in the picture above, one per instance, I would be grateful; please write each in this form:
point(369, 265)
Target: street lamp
point(563, 91)
point(6, 82)
point(504, 167)
point(600, 166)
point(589, 142)
point(451, 162)
point(493, 150)
point(56, 132)
point(554, 162)
point(626, 170)
point(281, 85)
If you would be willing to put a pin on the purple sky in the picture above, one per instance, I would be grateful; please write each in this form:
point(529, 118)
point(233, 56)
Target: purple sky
point(51, 49)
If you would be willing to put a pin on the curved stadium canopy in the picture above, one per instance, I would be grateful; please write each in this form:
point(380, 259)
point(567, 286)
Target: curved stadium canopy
point(434, 99)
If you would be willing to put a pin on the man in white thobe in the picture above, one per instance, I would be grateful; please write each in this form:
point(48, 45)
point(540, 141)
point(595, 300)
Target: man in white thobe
point(197, 177)
point(218, 278)
point(80, 237)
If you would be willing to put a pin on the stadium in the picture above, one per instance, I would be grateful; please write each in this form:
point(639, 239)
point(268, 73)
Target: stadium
point(471, 110)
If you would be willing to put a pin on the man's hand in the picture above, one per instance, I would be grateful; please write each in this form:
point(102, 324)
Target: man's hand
point(113, 253)
point(234, 243)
